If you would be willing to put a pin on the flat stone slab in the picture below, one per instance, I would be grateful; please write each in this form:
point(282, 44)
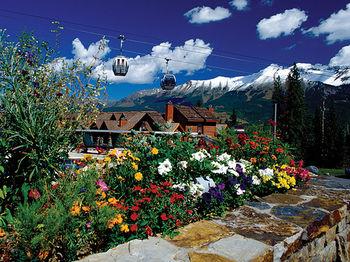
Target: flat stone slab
point(239, 248)
point(200, 233)
point(151, 249)
point(260, 226)
point(332, 182)
point(286, 199)
point(208, 257)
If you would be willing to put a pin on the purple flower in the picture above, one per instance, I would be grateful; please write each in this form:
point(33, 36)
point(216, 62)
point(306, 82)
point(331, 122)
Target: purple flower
point(231, 181)
point(88, 224)
point(239, 169)
point(221, 186)
point(216, 193)
point(206, 198)
point(102, 185)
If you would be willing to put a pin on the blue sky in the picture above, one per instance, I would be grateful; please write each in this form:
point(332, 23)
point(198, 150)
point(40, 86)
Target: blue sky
point(226, 38)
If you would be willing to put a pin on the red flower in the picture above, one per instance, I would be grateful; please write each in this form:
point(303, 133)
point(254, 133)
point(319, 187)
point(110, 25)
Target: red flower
point(279, 150)
point(135, 208)
point(178, 223)
point(174, 197)
point(149, 231)
point(167, 184)
point(170, 217)
point(34, 193)
point(134, 216)
point(146, 199)
point(133, 228)
point(153, 189)
point(137, 188)
point(164, 217)
point(271, 122)
point(190, 212)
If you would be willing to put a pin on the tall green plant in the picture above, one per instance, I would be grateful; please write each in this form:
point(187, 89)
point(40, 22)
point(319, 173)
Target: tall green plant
point(43, 100)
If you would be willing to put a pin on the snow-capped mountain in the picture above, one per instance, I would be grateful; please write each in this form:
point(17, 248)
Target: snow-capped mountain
point(308, 72)
point(242, 92)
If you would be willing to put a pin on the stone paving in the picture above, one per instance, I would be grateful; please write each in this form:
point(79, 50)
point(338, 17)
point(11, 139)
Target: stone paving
point(308, 224)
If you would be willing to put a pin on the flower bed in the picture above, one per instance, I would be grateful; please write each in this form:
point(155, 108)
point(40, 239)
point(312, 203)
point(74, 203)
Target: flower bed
point(156, 186)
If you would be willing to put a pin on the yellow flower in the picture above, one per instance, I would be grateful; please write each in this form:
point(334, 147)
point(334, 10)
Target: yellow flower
point(134, 166)
point(113, 152)
point(103, 195)
point(138, 176)
point(101, 204)
point(2, 233)
point(154, 151)
point(87, 157)
point(86, 209)
point(112, 200)
point(107, 159)
point(121, 178)
point(118, 219)
point(75, 209)
point(124, 228)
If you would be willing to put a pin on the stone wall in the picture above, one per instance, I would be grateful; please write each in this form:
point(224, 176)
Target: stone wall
point(309, 224)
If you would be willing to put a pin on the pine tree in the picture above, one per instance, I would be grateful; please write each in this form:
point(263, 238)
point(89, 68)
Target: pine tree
point(333, 137)
point(295, 115)
point(233, 118)
point(278, 97)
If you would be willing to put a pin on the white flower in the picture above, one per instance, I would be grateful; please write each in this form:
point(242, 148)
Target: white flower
point(200, 155)
point(182, 165)
point(231, 164)
point(233, 172)
point(224, 157)
point(180, 187)
point(196, 189)
point(205, 183)
point(256, 180)
point(222, 169)
point(165, 167)
point(215, 164)
point(266, 172)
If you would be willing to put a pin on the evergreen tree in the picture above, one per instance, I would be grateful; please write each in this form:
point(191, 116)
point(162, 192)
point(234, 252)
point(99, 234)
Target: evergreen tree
point(278, 97)
point(295, 115)
point(333, 138)
point(199, 103)
point(233, 118)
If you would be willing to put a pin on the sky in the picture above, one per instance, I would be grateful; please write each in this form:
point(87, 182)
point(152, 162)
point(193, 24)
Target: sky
point(204, 39)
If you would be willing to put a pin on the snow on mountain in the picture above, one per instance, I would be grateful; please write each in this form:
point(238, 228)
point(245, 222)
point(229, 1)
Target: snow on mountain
point(308, 72)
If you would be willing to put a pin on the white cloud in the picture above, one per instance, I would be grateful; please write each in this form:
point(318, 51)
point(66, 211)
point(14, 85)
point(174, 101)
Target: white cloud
point(187, 58)
point(336, 27)
point(205, 14)
point(267, 2)
point(342, 58)
point(281, 24)
point(93, 54)
point(239, 4)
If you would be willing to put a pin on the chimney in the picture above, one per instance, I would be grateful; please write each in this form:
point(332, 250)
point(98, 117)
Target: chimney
point(169, 112)
point(122, 120)
point(211, 109)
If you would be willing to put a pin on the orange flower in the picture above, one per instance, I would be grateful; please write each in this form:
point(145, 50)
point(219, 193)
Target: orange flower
point(253, 160)
point(43, 255)
point(154, 151)
point(101, 204)
point(138, 176)
point(113, 201)
point(75, 209)
point(134, 166)
point(118, 219)
point(124, 228)
point(274, 157)
point(2, 233)
point(86, 209)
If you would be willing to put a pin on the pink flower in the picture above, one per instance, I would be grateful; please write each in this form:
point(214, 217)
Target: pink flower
point(103, 186)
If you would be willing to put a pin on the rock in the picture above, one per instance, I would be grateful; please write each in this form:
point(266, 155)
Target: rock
point(242, 249)
point(200, 233)
point(313, 169)
point(152, 249)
